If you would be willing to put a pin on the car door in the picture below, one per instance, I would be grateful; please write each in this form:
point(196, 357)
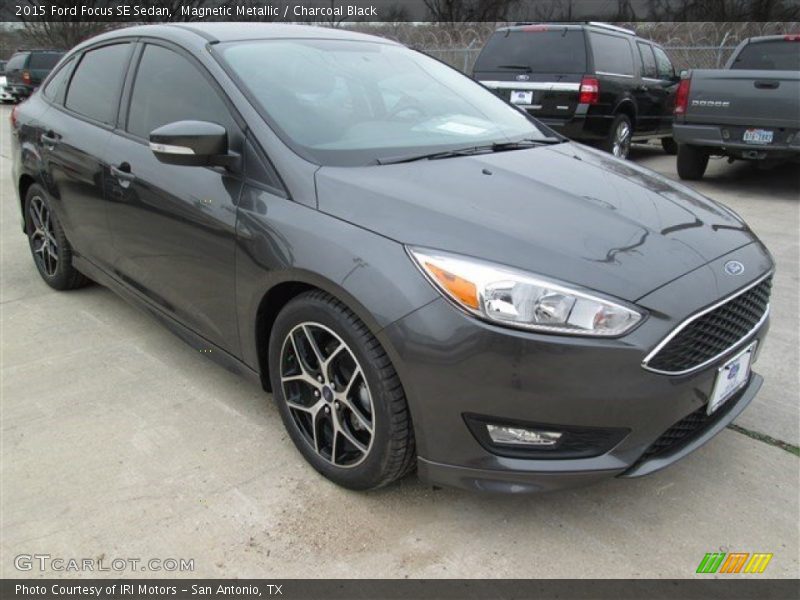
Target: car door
point(174, 226)
point(649, 93)
point(74, 135)
point(669, 84)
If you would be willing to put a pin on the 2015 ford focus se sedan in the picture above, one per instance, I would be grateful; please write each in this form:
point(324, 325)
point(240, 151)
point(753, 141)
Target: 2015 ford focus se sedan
point(422, 274)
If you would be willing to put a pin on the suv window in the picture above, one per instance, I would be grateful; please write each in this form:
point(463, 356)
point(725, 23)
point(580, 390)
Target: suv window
point(44, 60)
point(775, 55)
point(17, 61)
point(54, 90)
point(612, 54)
point(95, 85)
point(538, 51)
point(665, 68)
point(648, 60)
point(170, 88)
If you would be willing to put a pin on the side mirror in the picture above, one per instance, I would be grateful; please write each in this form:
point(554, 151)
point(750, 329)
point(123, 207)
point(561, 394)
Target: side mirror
point(192, 144)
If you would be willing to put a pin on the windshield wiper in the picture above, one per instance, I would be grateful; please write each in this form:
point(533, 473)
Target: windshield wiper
point(471, 150)
point(525, 68)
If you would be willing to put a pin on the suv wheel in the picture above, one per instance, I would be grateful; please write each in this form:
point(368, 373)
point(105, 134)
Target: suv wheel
point(49, 246)
point(669, 145)
point(618, 142)
point(338, 394)
point(692, 162)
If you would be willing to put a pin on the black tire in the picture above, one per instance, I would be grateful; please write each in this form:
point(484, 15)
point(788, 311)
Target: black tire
point(692, 162)
point(391, 453)
point(669, 145)
point(50, 249)
point(612, 141)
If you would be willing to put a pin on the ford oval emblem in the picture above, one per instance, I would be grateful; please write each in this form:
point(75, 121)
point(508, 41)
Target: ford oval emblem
point(734, 267)
point(523, 77)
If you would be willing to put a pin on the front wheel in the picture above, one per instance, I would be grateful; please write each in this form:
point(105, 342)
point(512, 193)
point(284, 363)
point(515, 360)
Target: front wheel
point(50, 249)
point(339, 395)
point(619, 137)
point(692, 162)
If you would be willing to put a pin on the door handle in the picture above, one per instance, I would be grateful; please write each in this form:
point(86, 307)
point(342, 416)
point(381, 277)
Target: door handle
point(767, 85)
point(50, 139)
point(123, 174)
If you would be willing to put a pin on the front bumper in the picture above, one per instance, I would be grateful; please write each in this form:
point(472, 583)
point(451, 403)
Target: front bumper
point(453, 365)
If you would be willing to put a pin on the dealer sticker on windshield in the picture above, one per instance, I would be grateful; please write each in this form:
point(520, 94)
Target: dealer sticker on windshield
point(757, 136)
point(521, 97)
point(731, 377)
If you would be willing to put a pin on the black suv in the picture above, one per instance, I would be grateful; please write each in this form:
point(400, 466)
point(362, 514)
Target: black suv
point(26, 70)
point(592, 82)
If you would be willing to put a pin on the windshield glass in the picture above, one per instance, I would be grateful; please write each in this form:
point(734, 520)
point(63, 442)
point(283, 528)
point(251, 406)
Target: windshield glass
point(352, 103)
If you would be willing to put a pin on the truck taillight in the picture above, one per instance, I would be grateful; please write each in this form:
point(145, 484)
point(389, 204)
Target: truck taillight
point(792, 37)
point(682, 97)
point(589, 91)
point(26, 77)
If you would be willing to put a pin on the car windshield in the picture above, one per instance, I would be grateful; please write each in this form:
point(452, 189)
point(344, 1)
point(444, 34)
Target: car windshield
point(350, 103)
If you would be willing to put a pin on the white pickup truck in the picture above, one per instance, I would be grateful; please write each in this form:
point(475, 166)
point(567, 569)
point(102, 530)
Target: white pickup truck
point(749, 110)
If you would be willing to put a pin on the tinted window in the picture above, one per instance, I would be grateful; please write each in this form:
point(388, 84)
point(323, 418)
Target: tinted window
point(44, 60)
point(348, 102)
point(537, 51)
point(55, 87)
point(17, 61)
point(665, 68)
point(612, 54)
point(96, 83)
point(648, 60)
point(170, 88)
point(776, 55)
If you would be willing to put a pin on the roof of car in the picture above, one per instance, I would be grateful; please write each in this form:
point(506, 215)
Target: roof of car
point(593, 25)
point(230, 32)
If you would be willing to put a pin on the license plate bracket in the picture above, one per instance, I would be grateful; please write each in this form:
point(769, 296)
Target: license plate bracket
point(521, 97)
point(731, 377)
point(757, 136)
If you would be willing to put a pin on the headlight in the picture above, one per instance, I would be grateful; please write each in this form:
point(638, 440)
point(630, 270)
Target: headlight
point(520, 299)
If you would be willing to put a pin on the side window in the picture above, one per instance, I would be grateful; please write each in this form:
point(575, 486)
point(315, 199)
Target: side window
point(648, 60)
point(54, 90)
point(170, 88)
point(16, 62)
point(612, 54)
point(665, 68)
point(95, 86)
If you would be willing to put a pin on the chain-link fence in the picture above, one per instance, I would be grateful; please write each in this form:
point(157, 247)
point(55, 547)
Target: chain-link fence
point(683, 57)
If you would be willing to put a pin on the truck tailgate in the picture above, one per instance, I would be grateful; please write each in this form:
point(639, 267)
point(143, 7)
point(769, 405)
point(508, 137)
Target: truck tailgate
point(746, 98)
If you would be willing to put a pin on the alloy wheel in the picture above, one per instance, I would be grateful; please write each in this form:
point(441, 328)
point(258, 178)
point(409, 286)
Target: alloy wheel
point(622, 140)
point(327, 394)
point(43, 237)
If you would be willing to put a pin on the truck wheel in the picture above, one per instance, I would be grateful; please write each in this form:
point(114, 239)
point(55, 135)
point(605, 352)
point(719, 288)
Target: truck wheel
point(619, 137)
point(692, 162)
point(669, 145)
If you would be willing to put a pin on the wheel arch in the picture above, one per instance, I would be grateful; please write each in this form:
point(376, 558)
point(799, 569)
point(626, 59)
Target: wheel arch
point(627, 107)
point(23, 185)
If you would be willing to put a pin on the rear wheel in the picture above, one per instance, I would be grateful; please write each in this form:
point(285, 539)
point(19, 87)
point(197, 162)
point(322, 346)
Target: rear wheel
point(50, 249)
point(669, 145)
point(338, 394)
point(619, 137)
point(692, 162)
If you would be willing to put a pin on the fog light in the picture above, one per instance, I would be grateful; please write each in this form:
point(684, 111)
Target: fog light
point(518, 436)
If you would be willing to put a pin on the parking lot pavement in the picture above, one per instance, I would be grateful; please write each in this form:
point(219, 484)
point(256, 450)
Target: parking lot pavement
point(119, 441)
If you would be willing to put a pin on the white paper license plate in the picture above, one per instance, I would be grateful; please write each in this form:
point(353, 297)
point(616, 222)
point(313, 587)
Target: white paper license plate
point(757, 136)
point(731, 377)
point(521, 97)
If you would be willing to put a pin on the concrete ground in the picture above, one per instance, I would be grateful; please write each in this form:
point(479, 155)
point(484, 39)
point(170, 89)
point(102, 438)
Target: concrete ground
point(119, 441)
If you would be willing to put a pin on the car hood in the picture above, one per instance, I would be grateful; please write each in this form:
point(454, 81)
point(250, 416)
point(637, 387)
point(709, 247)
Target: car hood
point(564, 211)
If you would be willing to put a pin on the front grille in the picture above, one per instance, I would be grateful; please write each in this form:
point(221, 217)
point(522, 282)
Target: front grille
point(687, 429)
point(714, 332)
